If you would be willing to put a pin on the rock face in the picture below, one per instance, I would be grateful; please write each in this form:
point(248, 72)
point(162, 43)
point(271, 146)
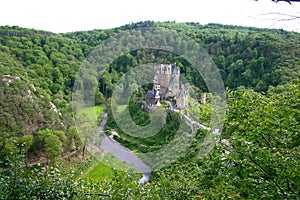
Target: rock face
point(166, 85)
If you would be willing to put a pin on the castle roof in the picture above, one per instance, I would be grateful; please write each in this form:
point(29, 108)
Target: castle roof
point(150, 94)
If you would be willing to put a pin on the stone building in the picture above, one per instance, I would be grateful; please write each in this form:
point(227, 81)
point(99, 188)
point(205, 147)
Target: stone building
point(166, 86)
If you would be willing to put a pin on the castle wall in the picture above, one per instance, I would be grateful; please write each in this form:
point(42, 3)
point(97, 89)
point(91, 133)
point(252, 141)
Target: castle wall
point(166, 81)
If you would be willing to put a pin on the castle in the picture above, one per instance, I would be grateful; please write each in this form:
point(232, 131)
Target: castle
point(166, 86)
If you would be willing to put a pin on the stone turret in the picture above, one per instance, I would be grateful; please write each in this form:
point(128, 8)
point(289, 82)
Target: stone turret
point(166, 84)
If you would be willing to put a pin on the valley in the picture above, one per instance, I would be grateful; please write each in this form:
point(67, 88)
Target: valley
point(56, 143)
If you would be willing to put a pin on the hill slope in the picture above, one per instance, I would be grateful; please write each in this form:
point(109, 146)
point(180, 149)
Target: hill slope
point(257, 156)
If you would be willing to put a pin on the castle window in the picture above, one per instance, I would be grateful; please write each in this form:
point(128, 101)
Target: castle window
point(157, 87)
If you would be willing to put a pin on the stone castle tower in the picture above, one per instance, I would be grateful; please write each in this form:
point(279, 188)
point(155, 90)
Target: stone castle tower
point(166, 84)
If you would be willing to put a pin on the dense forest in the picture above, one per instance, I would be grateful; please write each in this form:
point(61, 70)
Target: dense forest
point(256, 157)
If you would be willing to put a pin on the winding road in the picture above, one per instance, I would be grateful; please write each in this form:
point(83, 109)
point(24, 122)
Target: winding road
point(122, 153)
point(108, 144)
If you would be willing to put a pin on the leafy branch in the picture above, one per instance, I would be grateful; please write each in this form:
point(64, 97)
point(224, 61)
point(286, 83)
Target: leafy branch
point(256, 163)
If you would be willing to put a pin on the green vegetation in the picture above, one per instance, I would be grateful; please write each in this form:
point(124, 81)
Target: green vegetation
point(76, 166)
point(99, 172)
point(256, 157)
point(106, 167)
point(94, 113)
point(242, 54)
point(201, 112)
point(141, 117)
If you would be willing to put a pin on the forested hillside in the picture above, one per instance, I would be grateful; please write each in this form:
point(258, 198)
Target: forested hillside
point(247, 57)
point(257, 155)
point(37, 74)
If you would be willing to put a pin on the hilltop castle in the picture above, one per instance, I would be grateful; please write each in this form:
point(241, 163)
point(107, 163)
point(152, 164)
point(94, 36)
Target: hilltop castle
point(166, 86)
